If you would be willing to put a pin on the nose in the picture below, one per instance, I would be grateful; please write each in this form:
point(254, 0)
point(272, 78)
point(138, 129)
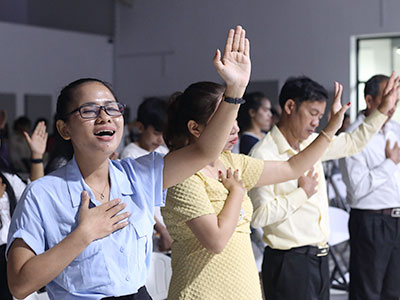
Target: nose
point(235, 128)
point(103, 115)
point(315, 122)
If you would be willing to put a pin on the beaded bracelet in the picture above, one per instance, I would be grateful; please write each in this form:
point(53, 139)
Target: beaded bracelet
point(326, 135)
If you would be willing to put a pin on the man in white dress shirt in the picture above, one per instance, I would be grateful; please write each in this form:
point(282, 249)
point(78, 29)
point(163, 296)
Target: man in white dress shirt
point(372, 178)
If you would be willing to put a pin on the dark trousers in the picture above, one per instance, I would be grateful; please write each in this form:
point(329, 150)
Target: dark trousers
point(142, 294)
point(4, 291)
point(374, 256)
point(293, 276)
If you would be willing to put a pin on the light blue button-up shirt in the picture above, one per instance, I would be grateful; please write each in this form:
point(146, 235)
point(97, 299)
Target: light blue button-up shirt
point(112, 266)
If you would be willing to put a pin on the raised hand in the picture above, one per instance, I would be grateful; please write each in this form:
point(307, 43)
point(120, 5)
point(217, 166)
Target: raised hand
point(37, 142)
point(390, 94)
point(309, 182)
point(234, 66)
point(100, 221)
point(337, 111)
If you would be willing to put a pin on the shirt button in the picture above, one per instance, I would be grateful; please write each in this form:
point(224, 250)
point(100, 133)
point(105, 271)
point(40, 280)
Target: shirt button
point(127, 278)
point(122, 249)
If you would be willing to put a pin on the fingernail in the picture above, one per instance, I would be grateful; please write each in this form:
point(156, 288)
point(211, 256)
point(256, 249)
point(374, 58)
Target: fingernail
point(219, 172)
point(348, 103)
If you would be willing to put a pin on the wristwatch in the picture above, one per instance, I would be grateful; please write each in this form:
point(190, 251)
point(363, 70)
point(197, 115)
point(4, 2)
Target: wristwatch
point(234, 100)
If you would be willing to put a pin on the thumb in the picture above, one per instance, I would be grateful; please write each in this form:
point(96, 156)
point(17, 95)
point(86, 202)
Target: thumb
point(27, 137)
point(85, 200)
point(217, 60)
point(387, 147)
point(345, 108)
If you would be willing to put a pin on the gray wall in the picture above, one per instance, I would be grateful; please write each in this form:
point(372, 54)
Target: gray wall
point(162, 46)
point(92, 16)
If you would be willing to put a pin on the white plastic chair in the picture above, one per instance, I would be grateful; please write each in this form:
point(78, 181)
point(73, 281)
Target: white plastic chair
point(338, 220)
point(159, 276)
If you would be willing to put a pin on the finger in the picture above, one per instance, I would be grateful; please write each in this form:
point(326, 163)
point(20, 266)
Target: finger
point(106, 206)
point(247, 47)
point(120, 217)
point(217, 60)
point(335, 89)
point(236, 175)
point(27, 137)
point(242, 41)
point(229, 173)
point(115, 210)
point(345, 108)
point(236, 38)
point(229, 41)
point(310, 172)
point(221, 176)
point(120, 225)
point(85, 200)
point(387, 146)
point(315, 176)
point(389, 84)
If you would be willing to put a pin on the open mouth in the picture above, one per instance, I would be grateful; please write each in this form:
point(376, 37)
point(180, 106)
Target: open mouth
point(104, 133)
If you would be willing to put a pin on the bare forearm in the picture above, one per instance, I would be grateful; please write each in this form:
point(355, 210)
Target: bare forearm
point(37, 168)
point(32, 275)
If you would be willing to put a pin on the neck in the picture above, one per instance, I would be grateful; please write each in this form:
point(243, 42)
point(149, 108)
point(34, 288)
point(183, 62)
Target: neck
point(94, 170)
point(256, 130)
point(289, 135)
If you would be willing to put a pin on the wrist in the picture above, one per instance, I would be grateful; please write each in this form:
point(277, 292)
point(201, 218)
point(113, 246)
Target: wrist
point(235, 91)
point(383, 109)
point(37, 155)
point(84, 235)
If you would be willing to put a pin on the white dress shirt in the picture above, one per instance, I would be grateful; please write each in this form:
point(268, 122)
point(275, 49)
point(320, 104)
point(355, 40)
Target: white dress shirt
point(372, 180)
point(18, 186)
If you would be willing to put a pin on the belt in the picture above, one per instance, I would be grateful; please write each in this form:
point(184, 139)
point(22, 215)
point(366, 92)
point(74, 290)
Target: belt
point(393, 212)
point(308, 250)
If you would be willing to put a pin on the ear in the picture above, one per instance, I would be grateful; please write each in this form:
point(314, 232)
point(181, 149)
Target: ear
point(140, 126)
point(194, 128)
point(369, 101)
point(252, 113)
point(63, 130)
point(290, 106)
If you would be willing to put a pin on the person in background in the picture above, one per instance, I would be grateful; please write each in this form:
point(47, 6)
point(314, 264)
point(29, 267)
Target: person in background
point(19, 150)
point(11, 189)
point(151, 123)
point(254, 119)
point(372, 179)
point(294, 214)
point(208, 215)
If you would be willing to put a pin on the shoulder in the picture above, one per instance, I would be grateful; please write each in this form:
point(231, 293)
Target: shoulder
point(267, 145)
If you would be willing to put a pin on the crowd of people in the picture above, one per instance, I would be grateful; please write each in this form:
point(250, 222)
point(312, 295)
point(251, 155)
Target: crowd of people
point(85, 229)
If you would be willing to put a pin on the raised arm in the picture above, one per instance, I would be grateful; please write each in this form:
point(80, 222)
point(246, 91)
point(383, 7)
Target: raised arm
point(281, 171)
point(37, 144)
point(234, 68)
point(25, 270)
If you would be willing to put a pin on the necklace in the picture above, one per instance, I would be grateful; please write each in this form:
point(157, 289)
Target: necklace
point(102, 193)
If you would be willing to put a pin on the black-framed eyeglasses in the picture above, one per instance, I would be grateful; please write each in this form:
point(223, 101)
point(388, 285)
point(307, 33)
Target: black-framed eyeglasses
point(92, 111)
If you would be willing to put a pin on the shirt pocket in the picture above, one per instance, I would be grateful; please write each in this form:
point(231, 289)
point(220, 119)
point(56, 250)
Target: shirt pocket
point(88, 271)
point(144, 232)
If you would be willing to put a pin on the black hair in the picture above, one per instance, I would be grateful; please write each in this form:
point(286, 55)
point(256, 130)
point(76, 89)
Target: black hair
point(153, 111)
point(253, 101)
point(67, 96)
point(198, 102)
point(302, 89)
point(22, 123)
point(372, 85)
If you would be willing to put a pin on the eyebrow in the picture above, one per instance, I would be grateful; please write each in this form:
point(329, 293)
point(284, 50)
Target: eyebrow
point(96, 103)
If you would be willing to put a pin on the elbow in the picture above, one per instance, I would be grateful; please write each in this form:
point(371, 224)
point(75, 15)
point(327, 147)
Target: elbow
point(19, 290)
point(216, 247)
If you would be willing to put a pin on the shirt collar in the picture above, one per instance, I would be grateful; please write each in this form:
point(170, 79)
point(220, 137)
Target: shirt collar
point(120, 184)
point(281, 142)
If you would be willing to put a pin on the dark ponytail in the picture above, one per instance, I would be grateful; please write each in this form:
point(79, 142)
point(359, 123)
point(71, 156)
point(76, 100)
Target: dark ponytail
point(198, 102)
point(12, 199)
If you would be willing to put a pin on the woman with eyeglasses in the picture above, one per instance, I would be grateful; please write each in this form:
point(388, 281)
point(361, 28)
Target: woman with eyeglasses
point(85, 230)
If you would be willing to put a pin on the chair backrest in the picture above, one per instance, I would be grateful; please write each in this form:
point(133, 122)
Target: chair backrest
point(338, 221)
point(159, 276)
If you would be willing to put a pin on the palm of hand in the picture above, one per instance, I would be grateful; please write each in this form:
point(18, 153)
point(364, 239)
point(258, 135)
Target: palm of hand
point(235, 68)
